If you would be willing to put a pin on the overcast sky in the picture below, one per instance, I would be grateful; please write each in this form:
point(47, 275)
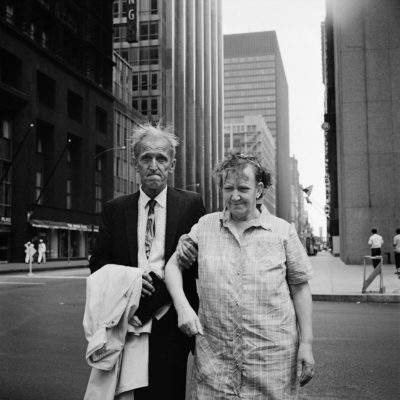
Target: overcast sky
point(298, 27)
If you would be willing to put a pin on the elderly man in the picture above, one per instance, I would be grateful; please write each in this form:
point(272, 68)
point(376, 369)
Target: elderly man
point(142, 230)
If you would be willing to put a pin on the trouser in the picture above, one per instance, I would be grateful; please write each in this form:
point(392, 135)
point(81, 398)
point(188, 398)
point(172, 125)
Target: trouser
point(397, 260)
point(168, 352)
point(375, 252)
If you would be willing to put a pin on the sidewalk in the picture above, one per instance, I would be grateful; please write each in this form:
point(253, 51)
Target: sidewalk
point(332, 281)
point(335, 281)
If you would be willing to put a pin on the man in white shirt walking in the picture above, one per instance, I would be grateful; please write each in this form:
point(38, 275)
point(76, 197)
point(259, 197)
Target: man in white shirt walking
point(376, 242)
point(396, 246)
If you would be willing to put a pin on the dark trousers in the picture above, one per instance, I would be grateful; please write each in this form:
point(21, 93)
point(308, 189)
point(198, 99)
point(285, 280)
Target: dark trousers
point(397, 260)
point(375, 252)
point(168, 352)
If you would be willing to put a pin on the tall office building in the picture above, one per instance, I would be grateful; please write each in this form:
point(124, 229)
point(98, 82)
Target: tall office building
point(175, 50)
point(361, 45)
point(255, 84)
point(56, 111)
point(251, 135)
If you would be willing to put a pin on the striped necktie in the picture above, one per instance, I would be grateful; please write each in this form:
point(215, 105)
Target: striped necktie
point(150, 227)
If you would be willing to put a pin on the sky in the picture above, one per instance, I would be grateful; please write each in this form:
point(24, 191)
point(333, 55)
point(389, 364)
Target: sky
point(297, 24)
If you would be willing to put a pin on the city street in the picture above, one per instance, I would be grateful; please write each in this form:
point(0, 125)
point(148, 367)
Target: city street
point(42, 343)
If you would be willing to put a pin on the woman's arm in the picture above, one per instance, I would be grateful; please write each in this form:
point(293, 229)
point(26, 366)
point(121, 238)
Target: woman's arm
point(302, 301)
point(188, 321)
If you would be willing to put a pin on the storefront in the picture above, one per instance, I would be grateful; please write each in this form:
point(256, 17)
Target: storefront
point(64, 240)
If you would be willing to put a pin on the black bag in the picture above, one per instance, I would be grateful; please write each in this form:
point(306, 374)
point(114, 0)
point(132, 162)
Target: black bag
point(150, 304)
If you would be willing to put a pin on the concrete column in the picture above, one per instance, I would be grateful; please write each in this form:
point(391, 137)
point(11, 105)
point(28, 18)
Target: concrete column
point(180, 92)
point(190, 133)
point(214, 100)
point(200, 96)
point(220, 90)
point(207, 107)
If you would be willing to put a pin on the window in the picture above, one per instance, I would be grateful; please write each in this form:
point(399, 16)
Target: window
point(135, 82)
point(154, 6)
point(75, 106)
point(39, 144)
point(6, 129)
point(101, 120)
point(68, 194)
point(135, 104)
point(144, 106)
point(98, 198)
point(46, 90)
point(39, 186)
point(153, 30)
point(154, 106)
point(154, 81)
point(144, 30)
point(68, 156)
point(144, 82)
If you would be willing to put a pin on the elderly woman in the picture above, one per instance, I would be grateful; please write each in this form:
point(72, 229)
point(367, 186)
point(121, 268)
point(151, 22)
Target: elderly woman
point(254, 327)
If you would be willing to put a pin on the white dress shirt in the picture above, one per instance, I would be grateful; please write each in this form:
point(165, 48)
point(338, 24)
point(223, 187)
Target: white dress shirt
point(375, 241)
point(156, 261)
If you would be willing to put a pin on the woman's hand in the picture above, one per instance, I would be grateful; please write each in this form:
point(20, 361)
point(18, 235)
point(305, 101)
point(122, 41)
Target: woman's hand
point(188, 321)
point(305, 363)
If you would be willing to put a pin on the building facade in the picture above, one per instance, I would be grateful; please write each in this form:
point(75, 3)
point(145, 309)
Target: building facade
point(56, 115)
point(252, 136)
point(255, 84)
point(362, 72)
point(175, 50)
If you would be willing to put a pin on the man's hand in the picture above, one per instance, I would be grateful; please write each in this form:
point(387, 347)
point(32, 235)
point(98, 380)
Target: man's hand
point(305, 363)
point(188, 321)
point(147, 287)
point(186, 252)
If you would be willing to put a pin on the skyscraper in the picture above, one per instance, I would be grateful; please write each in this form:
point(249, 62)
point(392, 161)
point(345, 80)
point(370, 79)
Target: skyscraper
point(362, 126)
point(255, 84)
point(175, 50)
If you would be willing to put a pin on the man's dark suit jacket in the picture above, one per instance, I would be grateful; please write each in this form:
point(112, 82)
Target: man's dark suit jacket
point(117, 241)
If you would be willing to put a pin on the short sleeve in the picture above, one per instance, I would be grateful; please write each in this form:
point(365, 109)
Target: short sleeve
point(298, 264)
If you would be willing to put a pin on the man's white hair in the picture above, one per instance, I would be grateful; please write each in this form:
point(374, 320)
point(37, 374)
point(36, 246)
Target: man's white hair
point(141, 131)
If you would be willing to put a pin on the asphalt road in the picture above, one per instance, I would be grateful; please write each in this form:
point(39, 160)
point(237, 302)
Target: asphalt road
point(42, 345)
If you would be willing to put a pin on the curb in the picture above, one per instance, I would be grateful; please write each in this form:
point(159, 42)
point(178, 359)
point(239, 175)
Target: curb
point(11, 270)
point(358, 298)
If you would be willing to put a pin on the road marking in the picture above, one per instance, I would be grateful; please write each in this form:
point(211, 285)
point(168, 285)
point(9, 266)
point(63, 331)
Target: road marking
point(22, 283)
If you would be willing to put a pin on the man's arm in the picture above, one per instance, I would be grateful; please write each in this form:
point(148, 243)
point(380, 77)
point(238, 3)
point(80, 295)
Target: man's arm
point(302, 301)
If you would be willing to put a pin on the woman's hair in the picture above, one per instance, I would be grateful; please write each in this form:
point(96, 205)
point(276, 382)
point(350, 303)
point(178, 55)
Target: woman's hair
point(237, 162)
point(141, 131)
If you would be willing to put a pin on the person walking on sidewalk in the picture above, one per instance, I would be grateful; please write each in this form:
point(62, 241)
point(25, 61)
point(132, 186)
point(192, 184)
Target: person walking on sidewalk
point(396, 246)
point(29, 252)
point(41, 252)
point(376, 242)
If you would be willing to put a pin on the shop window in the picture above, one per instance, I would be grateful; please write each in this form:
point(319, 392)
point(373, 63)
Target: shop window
point(75, 106)
point(101, 120)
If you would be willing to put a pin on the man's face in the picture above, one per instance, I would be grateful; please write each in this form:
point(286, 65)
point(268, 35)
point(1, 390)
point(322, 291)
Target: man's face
point(154, 163)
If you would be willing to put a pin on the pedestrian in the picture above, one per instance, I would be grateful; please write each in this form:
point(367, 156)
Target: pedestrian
point(30, 251)
point(396, 246)
point(376, 242)
point(41, 252)
point(254, 328)
point(142, 230)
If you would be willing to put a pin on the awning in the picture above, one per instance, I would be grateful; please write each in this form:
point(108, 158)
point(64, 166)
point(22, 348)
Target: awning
point(42, 223)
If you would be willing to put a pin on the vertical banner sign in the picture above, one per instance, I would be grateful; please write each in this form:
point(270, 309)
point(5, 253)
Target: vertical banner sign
point(131, 25)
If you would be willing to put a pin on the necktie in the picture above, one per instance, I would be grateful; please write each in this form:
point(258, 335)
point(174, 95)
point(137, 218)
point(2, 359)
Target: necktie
point(150, 227)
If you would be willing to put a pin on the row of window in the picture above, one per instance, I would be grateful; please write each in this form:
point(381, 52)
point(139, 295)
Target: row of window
point(146, 105)
point(148, 55)
point(249, 65)
point(256, 90)
point(120, 7)
point(269, 73)
point(248, 83)
point(148, 30)
point(237, 60)
point(46, 93)
point(145, 81)
point(249, 98)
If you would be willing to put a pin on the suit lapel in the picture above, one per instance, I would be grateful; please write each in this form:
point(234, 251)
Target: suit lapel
point(131, 214)
point(173, 210)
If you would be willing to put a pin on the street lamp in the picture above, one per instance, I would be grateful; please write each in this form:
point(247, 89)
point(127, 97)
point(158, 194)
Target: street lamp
point(110, 149)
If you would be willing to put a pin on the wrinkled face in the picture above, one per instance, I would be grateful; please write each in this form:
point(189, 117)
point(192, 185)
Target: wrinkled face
point(240, 191)
point(154, 162)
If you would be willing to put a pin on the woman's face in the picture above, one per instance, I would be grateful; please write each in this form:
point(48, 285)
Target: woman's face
point(240, 191)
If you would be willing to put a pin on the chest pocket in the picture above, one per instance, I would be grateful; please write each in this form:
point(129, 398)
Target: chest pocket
point(269, 252)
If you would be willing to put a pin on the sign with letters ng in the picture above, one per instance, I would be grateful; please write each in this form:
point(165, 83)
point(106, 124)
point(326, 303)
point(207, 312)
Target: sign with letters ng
point(131, 25)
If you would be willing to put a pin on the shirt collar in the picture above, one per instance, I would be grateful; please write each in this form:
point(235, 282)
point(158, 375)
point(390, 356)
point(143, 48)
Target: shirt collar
point(161, 198)
point(263, 220)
